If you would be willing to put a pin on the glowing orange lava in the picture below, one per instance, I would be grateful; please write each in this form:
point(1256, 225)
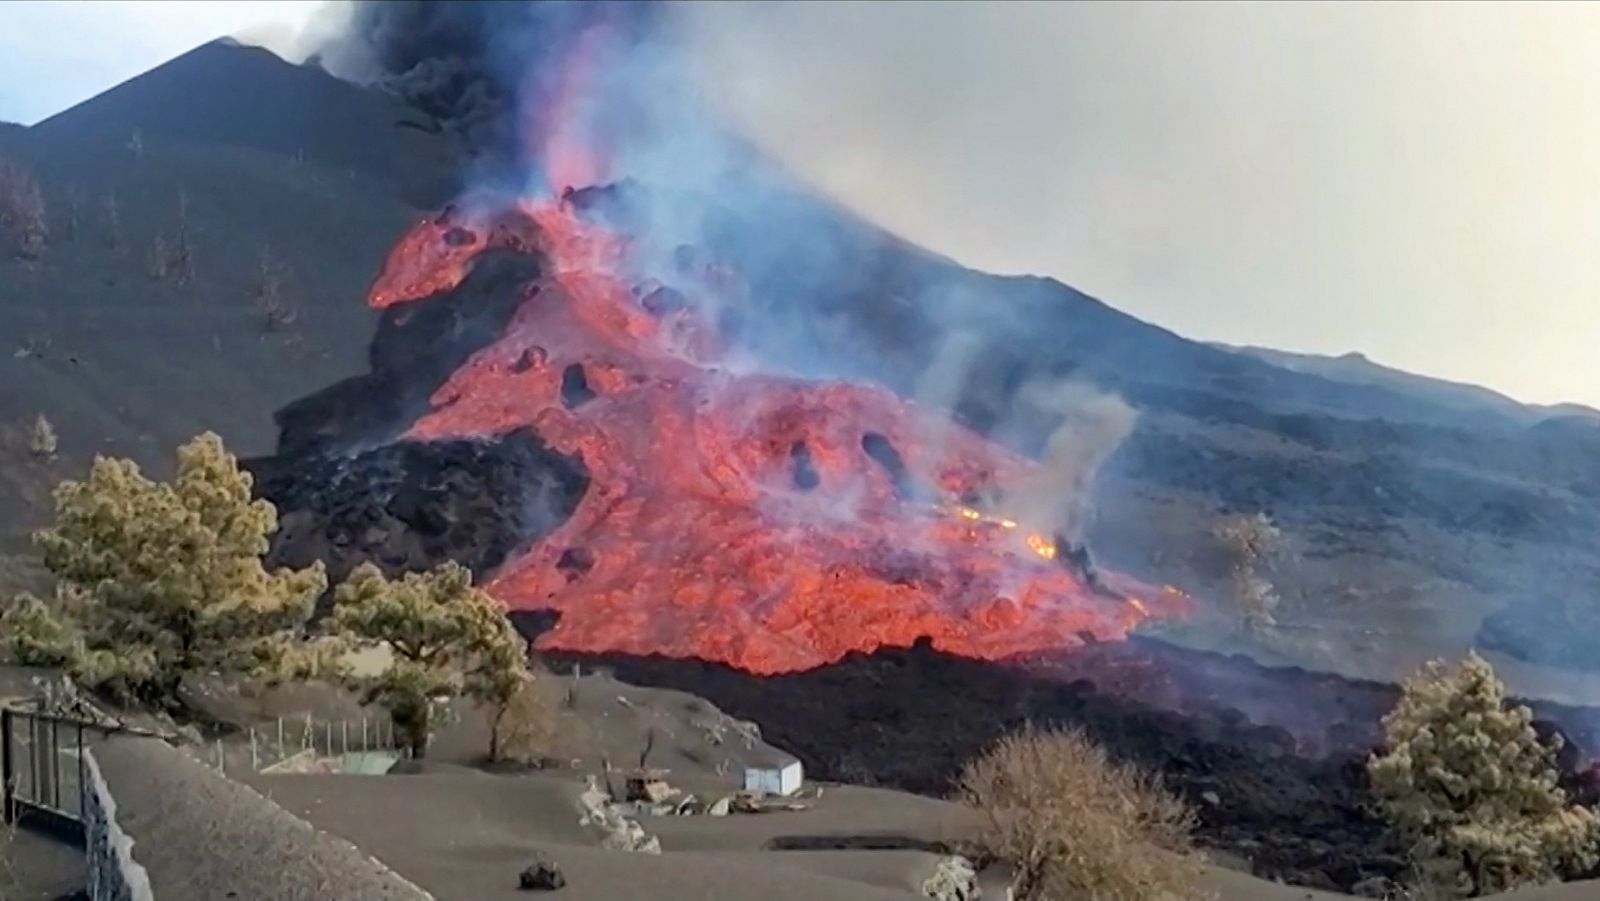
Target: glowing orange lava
point(739, 518)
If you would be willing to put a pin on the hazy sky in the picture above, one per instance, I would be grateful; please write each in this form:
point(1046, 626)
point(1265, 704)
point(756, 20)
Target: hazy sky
point(1414, 181)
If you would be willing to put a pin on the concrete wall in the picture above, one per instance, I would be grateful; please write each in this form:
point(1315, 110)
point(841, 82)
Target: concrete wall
point(165, 826)
point(113, 873)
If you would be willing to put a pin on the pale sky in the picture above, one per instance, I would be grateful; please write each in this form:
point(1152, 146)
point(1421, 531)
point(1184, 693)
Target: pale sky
point(1414, 181)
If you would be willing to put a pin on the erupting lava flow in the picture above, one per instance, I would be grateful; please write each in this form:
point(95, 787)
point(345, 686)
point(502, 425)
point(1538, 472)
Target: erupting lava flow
point(767, 522)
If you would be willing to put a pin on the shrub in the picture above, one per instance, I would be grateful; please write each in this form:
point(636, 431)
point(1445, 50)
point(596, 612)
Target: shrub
point(161, 580)
point(1252, 544)
point(1073, 824)
point(445, 638)
point(1471, 790)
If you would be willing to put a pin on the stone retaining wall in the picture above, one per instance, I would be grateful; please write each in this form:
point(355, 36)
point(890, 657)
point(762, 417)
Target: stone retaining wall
point(113, 873)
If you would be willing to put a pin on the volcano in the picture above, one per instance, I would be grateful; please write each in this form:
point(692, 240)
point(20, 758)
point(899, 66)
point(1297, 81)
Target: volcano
point(767, 522)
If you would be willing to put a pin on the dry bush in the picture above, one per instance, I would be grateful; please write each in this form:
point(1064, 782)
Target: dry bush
point(269, 293)
point(22, 210)
point(1074, 824)
point(1472, 791)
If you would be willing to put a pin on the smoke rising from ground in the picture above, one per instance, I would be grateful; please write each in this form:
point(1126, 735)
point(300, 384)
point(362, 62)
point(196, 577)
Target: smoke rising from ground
point(1056, 496)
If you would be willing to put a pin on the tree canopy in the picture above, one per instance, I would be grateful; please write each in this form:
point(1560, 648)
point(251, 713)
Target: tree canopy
point(157, 580)
point(445, 638)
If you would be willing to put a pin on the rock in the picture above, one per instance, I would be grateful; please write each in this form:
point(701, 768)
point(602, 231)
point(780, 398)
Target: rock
point(541, 876)
point(720, 807)
point(627, 835)
point(620, 832)
point(954, 879)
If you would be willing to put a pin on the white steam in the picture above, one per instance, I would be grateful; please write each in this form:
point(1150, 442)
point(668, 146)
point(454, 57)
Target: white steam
point(1056, 496)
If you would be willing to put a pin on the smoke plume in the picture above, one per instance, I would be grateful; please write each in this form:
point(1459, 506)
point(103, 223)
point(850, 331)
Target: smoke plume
point(563, 95)
point(472, 66)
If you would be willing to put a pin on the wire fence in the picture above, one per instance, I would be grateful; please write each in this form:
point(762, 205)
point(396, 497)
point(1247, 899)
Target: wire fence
point(303, 740)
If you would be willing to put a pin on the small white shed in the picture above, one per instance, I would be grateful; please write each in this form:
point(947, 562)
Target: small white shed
point(777, 774)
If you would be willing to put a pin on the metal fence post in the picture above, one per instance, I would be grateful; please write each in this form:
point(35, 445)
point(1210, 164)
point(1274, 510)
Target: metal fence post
point(83, 791)
point(33, 759)
point(55, 764)
point(7, 766)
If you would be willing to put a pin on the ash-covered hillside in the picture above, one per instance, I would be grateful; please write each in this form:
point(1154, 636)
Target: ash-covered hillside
point(175, 202)
point(202, 228)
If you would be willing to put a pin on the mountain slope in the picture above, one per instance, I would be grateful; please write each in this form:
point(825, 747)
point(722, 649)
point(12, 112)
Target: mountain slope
point(1411, 512)
point(230, 157)
point(1357, 369)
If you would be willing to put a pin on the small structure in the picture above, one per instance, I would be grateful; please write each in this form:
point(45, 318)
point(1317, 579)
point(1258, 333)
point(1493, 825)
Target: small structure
point(649, 786)
point(773, 774)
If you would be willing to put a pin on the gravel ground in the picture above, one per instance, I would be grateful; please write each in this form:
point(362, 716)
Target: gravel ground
point(204, 838)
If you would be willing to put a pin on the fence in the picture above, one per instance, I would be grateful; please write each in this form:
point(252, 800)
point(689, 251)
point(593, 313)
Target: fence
point(42, 768)
point(292, 738)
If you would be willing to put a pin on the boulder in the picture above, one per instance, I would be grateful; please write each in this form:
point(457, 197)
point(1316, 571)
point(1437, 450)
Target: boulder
point(541, 876)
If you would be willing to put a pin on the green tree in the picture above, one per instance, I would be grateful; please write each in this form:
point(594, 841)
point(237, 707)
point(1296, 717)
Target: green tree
point(445, 638)
point(160, 580)
point(1471, 789)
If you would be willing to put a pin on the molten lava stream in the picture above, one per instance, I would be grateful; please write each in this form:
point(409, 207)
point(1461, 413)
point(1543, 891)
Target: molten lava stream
point(765, 522)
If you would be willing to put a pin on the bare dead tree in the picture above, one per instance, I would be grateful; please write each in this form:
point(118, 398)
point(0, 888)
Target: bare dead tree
point(69, 229)
point(270, 293)
point(171, 256)
point(22, 212)
point(111, 216)
point(649, 745)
